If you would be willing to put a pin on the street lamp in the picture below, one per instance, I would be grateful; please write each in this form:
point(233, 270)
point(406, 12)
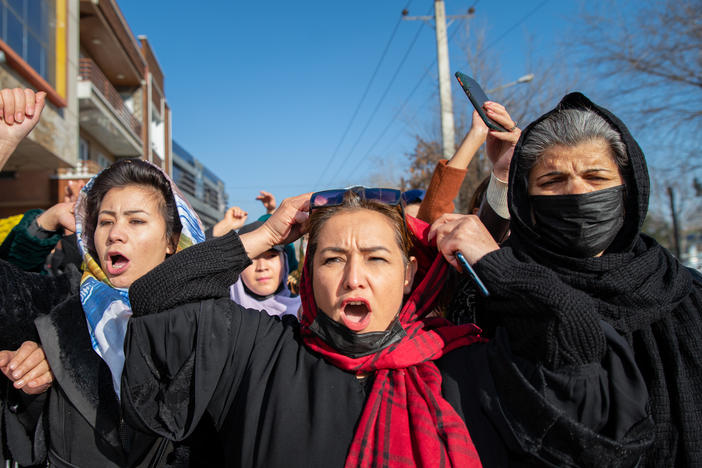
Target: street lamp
point(522, 79)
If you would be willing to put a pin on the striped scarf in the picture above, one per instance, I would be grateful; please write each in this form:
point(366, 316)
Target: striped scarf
point(406, 421)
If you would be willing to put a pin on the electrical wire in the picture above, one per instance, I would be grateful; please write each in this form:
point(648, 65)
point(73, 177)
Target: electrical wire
point(363, 97)
point(399, 112)
point(382, 98)
point(426, 72)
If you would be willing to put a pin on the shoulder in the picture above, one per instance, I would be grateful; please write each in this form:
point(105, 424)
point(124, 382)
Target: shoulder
point(696, 276)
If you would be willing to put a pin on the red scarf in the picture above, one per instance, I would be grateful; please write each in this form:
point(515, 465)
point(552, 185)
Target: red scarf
point(406, 421)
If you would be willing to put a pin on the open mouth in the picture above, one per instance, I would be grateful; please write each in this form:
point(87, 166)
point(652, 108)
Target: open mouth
point(356, 314)
point(117, 263)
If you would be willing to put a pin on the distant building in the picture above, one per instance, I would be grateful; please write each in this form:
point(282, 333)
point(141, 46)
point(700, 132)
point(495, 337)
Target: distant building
point(105, 92)
point(204, 190)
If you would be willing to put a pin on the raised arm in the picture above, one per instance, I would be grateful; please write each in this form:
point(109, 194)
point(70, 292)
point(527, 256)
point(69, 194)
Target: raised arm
point(19, 113)
point(233, 219)
point(448, 175)
point(36, 235)
point(190, 358)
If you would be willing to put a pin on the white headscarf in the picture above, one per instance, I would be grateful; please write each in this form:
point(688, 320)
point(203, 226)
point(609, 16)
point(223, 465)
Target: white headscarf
point(278, 304)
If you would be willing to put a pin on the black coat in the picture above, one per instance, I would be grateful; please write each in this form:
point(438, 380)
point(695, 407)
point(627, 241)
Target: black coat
point(77, 422)
point(551, 304)
point(275, 403)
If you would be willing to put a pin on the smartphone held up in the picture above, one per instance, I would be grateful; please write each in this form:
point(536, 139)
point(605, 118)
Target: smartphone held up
point(477, 97)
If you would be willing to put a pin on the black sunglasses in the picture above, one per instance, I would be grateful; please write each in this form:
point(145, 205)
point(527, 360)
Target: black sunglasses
point(335, 197)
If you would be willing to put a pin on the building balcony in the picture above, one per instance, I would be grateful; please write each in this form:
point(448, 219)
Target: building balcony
point(83, 170)
point(104, 114)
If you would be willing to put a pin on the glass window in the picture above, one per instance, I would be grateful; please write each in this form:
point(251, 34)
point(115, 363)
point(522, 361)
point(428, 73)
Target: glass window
point(35, 55)
point(37, 20)
point(27, 27)
point(83, 150)
point(18, 6)
point(14, 35)
point(102, 160)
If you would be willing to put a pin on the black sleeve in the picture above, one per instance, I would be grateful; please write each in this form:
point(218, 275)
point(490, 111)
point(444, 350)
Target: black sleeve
point(546, 320)
point(585, 415)
point(21, 426)
point(496, 225)
point(519, 413)
point(23, 297)
point(191, 360)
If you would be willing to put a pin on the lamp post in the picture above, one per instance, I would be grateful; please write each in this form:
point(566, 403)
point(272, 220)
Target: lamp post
point(522, 79)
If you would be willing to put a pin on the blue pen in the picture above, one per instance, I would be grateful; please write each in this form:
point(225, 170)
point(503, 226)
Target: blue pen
point(466, 266)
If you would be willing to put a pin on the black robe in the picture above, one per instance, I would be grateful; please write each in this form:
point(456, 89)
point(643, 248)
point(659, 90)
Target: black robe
point(78, 421)
point(276, 403)
point(551, 304)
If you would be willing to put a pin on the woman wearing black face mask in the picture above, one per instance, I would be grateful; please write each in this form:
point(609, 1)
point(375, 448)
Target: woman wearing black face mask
point(578, 195)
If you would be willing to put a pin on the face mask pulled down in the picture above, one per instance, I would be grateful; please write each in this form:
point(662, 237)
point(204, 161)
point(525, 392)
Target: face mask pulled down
point(580, 225)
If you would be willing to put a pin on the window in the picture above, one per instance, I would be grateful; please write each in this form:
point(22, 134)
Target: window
point(28, 27)
point(83, 150)
point(157, 133)
point(211, 197)
point(102, 160)
point(184, 179)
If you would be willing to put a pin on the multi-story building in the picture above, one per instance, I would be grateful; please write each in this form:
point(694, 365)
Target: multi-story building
point(39, 49)
point(204, 190)
point(105, 91)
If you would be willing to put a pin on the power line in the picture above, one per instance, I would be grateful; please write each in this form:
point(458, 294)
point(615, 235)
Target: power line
point(392, 121)
point(382, 98)
point(397, 114)
point(515, 25)
point(363, 97)
point(426, 72)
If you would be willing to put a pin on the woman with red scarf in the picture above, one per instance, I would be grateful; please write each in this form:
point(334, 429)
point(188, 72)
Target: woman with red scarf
point(371, 376)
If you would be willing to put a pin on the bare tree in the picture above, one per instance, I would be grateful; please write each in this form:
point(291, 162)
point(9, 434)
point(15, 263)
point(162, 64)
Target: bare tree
point(649, 52)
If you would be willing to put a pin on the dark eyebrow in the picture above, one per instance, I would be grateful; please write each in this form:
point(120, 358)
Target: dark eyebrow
point(364, 249)
point(587, 171)
point(552, 173)
point(598, 169)
point(130, 212)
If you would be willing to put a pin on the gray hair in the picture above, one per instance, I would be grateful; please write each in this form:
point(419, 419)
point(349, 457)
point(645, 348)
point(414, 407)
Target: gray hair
point(570, 127)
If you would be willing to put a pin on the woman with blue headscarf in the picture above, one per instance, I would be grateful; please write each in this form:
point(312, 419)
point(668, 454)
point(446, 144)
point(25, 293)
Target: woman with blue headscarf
point(129, 219)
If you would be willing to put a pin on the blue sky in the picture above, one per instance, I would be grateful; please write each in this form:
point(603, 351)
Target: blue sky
point(262, 92)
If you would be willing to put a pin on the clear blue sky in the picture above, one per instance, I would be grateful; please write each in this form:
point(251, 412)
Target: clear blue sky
point(262, 92)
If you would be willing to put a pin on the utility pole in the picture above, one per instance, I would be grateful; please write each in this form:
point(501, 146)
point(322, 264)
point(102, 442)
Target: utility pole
point(676, 232)
point(448, 131)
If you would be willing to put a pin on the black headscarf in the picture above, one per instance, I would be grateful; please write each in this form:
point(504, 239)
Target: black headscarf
point(551, 304)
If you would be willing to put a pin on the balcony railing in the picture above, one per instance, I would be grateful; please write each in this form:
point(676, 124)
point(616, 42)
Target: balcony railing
point(90, 72)
point(83, 170)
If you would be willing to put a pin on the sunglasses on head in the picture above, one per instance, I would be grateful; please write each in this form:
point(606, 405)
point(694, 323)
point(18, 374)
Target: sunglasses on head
point(335, 197)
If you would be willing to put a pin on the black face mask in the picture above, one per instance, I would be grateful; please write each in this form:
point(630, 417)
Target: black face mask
point(353, 344)
point(581, 225)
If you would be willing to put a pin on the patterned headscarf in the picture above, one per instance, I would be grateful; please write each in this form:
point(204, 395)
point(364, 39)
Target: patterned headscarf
point(106, 307)
point(405, 421)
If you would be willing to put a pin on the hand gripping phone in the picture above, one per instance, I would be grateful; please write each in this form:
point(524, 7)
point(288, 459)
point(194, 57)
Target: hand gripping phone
point(477, 97)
